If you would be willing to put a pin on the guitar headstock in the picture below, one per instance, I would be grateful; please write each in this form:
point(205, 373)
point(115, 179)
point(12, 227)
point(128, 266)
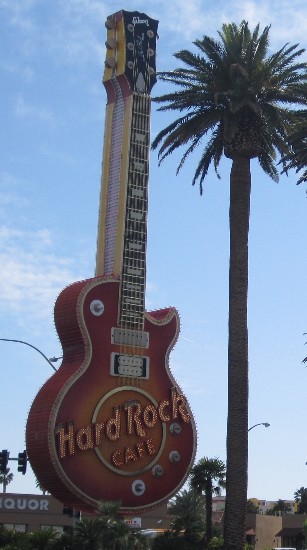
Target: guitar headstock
point(131, 49)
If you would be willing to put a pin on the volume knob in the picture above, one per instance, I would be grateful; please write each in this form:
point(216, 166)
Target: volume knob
point(174, 457)
point(175, 428)
point(97, 307)
point(157, 471)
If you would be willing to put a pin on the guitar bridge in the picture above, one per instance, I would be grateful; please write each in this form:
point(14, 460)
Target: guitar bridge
point(133, 366)
point(139, 338)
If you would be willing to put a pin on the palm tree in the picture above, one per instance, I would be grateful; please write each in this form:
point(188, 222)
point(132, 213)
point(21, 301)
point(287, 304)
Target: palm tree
point(116, 533)
point(188, 510)
point(240, 102)
point(42, 539)
point(66, 541)
point(14, 540)
point(300, 496)
point(251, 507)
point(280, 508)
point(202, 479)
point(5, 479)
point(297, 158)
point(89, 534)
point(107, 530)
point(39, 486)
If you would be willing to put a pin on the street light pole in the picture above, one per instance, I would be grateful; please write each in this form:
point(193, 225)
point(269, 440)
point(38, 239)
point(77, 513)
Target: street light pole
point(31, 346)
point(265, 424)
point(22, 457)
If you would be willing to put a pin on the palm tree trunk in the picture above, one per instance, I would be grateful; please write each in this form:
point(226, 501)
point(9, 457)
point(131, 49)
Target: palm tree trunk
point(237, 424)
point(208, 493)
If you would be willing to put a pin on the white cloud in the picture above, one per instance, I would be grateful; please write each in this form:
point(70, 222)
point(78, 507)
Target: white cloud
point(17, 13)
point(75, 31)
point(23, 71)
point(24, 110)
point(192, 19)
point(30, 277)
point(57, 155)
point(69, 36)
point(9, 195)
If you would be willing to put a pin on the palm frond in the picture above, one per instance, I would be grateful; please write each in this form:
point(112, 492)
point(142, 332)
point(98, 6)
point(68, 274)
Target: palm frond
point(231, 87)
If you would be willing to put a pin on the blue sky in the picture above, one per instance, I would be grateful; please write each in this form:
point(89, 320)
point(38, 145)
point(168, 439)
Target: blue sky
point(52, 122)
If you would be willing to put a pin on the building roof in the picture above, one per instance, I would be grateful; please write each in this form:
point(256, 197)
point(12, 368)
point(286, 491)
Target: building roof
point(251, 532)
point(289, 532)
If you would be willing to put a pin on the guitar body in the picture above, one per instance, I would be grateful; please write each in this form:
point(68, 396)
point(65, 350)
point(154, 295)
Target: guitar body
point(122, 439)
point(111, 423)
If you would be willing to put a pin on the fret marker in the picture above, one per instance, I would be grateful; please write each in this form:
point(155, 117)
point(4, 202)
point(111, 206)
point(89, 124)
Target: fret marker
point(133, 301)
point(134, 271)
point(133, 286)
point(136, 215)
point(139, 137)
point(135, 246)
point(137, 192)
point(139, 166)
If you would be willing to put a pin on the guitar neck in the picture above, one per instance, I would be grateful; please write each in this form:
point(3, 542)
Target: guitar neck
point(133, 278)
point(122, 230)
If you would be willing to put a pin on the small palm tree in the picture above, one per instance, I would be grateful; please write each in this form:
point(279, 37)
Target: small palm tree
point(66, 541)
point(300, 497)
point(208, 476)
point(188, 511)
point(115, 530)
point(5, 479)
point(89, 534)
point(281, 508)
point(14, 540)
point(40, 540)
point(109, 510)
point(39, 486)
point(236, 100)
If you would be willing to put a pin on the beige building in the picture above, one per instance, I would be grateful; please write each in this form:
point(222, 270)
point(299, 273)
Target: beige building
point(36, 512)
point(265, 532)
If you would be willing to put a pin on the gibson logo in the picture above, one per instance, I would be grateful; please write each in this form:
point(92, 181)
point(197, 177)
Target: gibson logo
point(138, 21)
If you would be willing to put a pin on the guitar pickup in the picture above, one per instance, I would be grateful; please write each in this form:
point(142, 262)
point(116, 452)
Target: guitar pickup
point(127, 337)
point(129, 365)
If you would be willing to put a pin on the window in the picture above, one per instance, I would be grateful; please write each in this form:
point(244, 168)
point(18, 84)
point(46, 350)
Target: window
point(15, 527)
point(58, 528)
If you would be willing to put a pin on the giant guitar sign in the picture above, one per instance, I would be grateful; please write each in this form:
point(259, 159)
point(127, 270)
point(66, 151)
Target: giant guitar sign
point(112, 423)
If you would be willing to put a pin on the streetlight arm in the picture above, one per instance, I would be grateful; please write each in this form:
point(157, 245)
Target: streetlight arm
point(265, 424)
point(31, 346)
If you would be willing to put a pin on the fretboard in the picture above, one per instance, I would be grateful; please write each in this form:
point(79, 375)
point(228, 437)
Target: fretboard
point(133, 277)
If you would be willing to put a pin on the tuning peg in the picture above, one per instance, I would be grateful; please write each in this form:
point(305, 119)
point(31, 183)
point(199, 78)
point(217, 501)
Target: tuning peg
point(110, 23)
point(110, 62)
point(111, 43)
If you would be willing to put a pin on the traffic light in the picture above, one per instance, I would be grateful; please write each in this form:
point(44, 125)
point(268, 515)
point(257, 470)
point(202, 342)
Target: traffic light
point(71, 513)
point(22, 462)
point(68, 511)
point(4, 457)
